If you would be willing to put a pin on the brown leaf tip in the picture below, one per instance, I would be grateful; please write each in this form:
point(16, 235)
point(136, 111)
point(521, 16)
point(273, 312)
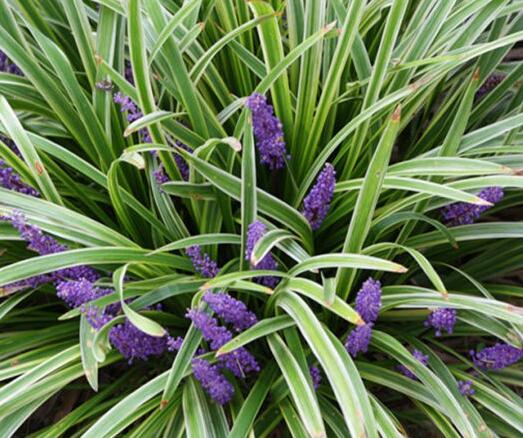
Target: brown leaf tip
point(475, 75)
point(396, 115)
point(360, 321)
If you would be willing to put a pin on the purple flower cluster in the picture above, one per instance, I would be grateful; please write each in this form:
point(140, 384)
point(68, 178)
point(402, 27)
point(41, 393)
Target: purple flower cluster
point(368, 300)
point(133, 344)
point(359, 339)
point(181, 163)
point(78, 292)
point(133, 113)
point(368, 305)
point(160, 176)
point(231, 310)
point(317, 203)
point(442, 319)
point(202, 264)
point(212, 380)
point(10, 180)
point(462, 213)
point(43, 245)
point(216, 335)
point(268, 132)
point(315, 376)
point(492, 82)
point(7, 66)
point(465, 388)
point(497, 357)
point(422, 358)
point(255, 232)
point(75, 286)
point(239, 362)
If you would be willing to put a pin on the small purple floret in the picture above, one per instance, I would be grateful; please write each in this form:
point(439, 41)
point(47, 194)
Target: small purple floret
point(368, 300)
point(465, 388)
point(202, 264)
point(317, 203)
point(359, 339)
point(422, 358)
point(268, 132)
point(462, 213)
point(497, 357)
point(255, 232)
point(442, 319)
point(174, 344)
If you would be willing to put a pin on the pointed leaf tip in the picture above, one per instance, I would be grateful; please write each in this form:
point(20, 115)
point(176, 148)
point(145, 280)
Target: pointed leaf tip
point(396, 115)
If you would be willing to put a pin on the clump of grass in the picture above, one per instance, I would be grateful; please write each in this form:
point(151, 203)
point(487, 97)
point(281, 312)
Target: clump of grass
point(230, 218)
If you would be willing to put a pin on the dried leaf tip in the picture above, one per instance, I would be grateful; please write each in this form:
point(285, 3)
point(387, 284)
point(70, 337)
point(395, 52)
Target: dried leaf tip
point(396, 115)
point(329, 27)
point(164, 403)
point(359, 321)
point(475, 75)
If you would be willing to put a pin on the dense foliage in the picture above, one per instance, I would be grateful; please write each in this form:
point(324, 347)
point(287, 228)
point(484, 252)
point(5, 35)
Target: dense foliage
point(261, 218)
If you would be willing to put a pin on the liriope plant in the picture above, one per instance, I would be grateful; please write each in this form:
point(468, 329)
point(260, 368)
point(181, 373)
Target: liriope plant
point(261, 218)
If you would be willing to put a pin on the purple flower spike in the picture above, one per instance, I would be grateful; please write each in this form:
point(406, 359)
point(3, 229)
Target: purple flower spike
point(7, 66)
point(44, 244)
point(368, 300)
point(462, 213)
point(422, 358)
point(97, 318)
point(465, 388)
point(317, 203)
point(497, 357)
point(160, 176)
point(315, 376)
point(212, 381)
point(133, 113)
point(442, 319)
point(182, 165)
point(128, 72)
point(135, 344)
point(76, 293)
point(240, 362)
point(202, 264)
point(10, 180)
point(216, 335)
point(359, 339)
point(255, 232)
point(492, 82)
point(231, 310)
point(268, 131)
